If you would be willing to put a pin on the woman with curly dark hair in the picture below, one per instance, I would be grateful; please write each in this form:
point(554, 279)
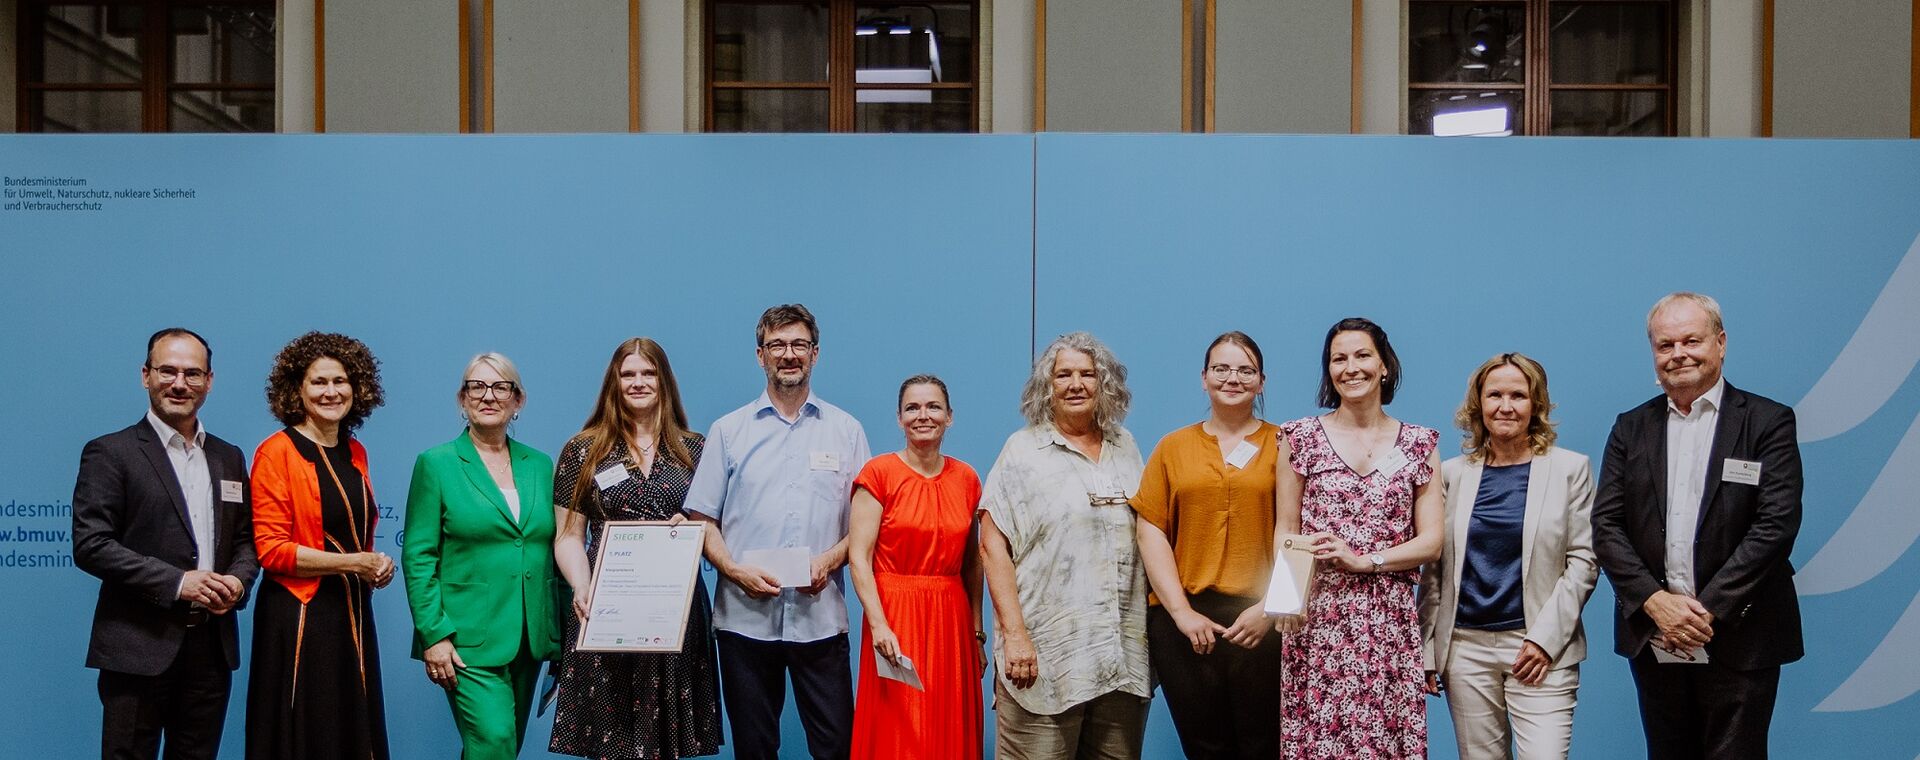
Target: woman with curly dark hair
point(314, 687)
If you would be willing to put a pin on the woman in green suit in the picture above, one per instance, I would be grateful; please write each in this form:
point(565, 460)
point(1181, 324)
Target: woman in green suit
point(478, 558)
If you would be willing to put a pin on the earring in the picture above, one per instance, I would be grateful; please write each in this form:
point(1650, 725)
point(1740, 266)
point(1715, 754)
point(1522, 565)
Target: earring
point(516, 416)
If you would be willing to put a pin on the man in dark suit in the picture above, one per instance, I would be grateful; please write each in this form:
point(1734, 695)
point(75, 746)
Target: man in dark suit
point(1698, 506)
point(161, 516)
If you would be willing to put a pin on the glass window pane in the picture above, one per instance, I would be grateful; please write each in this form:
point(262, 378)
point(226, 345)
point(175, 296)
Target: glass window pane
point(92, 111)
point(769, 110)
point(769, 42)
point(223, 44)
point(222, 111)
point(913, 111)
point(1609, 112)
point(83, 43)
point(934, 42)
point(1604, 43)
point(1466, 42)
point(1465, 112)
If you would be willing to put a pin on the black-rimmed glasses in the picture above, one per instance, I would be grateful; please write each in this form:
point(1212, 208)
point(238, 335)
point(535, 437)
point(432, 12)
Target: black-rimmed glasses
point(788, 346)
point(195, 377)
point(1108, 501)
point(477, 390)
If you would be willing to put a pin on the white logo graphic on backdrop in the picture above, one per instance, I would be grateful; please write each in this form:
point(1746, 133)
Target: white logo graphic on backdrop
point(1874, 364)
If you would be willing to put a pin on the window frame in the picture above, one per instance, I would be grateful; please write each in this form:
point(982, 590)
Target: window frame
point(155, 84)
point(840, 88)
point(1538, 87)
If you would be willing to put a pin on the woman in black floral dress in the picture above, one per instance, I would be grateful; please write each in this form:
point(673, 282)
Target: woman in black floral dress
point(633, 460)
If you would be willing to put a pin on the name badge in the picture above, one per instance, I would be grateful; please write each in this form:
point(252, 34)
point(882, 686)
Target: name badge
point(823, 461)
point(1242, 454)
point(1740, 471)
point(1392, 463)
point(230, 491)
point(610, 477)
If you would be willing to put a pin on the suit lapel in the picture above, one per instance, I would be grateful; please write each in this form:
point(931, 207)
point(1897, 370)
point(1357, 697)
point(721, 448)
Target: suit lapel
point(1463, 516)
point(476, 471)
point(214, 474)
point(1539, 475)
point(522, 478)
point(1655, 440)
point(1727, 429)
point(156, 452)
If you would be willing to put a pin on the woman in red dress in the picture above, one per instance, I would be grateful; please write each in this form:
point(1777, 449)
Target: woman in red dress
point(915, 567)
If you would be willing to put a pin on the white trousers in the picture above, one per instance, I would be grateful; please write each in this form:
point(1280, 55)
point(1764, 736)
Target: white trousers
point(1491, 707)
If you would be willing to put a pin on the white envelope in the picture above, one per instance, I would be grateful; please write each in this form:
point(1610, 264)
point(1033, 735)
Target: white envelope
point(902, 672)
point(793, 565)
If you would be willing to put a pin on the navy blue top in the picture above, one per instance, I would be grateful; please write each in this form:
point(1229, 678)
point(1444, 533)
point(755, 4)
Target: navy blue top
point(1490, 571)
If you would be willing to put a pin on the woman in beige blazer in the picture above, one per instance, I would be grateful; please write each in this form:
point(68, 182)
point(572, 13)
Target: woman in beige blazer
point(1500, 611)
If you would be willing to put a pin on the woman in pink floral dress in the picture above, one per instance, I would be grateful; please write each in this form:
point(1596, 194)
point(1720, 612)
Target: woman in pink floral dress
point(1361, 485)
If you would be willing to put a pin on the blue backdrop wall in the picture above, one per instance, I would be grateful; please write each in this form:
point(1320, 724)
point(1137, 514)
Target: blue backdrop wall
point(956, 255)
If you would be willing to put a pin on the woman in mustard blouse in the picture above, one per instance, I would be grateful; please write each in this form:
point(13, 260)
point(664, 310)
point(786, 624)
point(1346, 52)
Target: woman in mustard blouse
point(1205, 527)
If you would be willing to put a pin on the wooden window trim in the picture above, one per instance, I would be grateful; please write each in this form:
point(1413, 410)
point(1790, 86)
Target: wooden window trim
point(839, 83)
point(1538, 87)
point(155, 84)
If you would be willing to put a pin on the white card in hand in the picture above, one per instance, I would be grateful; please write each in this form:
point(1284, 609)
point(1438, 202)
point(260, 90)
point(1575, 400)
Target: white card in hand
point(902, 671)
point(1242, 454)
point(1695, 656)
point(610, 477)
point(793, 565)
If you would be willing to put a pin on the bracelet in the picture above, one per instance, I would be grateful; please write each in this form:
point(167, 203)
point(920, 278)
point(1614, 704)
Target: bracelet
point(980, 636)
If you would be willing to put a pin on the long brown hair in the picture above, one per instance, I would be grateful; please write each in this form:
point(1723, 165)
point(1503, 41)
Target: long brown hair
point(612, 420)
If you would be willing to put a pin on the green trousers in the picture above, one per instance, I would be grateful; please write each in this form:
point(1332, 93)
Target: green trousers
point(490, 706)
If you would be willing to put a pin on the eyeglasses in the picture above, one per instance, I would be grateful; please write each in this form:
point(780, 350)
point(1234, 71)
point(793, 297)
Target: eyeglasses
point(196, 378)
point(1107, 501)
point(477, 390)
point(1222, 372)
point(788, 347)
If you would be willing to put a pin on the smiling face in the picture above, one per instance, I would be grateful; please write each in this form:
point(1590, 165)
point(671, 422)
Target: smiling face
point(1076, 385)
point(493, 407)
point(1506, 404)
point(1232, 377)
point(924, 415)
point(177, 379)
point(640, 385)
point(1354, 366)
point(787, 354)
point(1687, 351)
point(325, 393)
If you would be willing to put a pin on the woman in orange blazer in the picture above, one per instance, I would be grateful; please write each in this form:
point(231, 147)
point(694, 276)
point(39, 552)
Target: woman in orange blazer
point(314, 687)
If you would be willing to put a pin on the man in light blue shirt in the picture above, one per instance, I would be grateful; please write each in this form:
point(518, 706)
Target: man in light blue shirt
point(773, 486)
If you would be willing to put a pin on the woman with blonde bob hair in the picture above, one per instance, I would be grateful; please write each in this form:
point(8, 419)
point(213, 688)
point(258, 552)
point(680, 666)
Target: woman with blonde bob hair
point(479, 563)
point(1500, 611)
point(632, 460)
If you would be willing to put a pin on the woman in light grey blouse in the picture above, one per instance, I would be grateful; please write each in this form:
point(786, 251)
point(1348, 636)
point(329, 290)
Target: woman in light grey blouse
point(1056, 540)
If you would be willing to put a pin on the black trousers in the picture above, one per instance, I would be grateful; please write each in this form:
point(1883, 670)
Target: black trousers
point(186, 703)
point(1704, 711)
point(753, 683)
point(1225, 704)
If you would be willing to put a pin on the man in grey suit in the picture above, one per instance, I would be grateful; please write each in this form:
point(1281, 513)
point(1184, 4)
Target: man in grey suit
point(161, 516)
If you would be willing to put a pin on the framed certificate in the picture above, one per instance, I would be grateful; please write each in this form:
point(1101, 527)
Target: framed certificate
point(642, 588)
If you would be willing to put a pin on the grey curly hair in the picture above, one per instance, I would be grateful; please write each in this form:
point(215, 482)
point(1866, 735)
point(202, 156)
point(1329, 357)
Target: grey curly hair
point(1110, 408)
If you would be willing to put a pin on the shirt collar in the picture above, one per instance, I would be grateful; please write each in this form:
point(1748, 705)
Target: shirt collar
point(168, 434)
point(1048, 435)
point(1711, 398)
point(763, 406)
